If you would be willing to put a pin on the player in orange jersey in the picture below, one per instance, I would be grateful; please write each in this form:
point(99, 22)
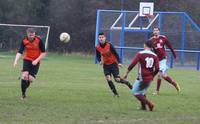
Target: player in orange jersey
point(108, 57)
point(34, 51)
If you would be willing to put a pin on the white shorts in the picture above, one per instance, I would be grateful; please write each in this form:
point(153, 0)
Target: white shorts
point(137, 89)
point(163, 66)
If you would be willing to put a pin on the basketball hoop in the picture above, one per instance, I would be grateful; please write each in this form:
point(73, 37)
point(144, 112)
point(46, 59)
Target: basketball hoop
point(146, 8)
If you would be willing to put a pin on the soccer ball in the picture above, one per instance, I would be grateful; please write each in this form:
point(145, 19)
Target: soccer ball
point(64, 37)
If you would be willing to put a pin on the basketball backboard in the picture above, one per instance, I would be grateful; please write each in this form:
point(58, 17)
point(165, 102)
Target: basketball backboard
point(146, 8)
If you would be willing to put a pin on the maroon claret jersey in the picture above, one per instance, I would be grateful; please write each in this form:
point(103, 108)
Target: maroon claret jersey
point(148, 65)
point(159, 43)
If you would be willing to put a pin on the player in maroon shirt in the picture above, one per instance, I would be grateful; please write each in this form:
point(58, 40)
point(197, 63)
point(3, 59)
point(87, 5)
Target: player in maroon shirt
point(158, 43)
point(108, 57)
point(148, 67)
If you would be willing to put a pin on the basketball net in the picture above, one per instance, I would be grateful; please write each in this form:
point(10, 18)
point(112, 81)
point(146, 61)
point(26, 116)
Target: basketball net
point(149, 17)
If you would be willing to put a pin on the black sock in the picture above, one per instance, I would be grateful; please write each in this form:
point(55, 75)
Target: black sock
point(125, 82)
point(23, 87)
point(112, 87)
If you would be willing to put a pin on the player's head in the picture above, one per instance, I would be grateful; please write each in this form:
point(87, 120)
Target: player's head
point(156, 31)
point(102, 38)
point(147, 45)
point(30, 33)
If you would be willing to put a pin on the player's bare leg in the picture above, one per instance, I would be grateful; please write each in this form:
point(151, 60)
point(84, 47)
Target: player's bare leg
point(25, 83)
point(144, 100)
point(143, 105)
point(30, 80)
point(158, 84)
point(111, 85)
point(171, 81)
point(123, 81)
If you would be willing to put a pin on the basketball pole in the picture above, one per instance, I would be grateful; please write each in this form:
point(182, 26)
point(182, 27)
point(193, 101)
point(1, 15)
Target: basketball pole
point(122, 4)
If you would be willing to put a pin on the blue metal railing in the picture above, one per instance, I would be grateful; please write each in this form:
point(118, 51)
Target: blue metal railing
point(184, 16)
point(171, 56)
point(97, 31)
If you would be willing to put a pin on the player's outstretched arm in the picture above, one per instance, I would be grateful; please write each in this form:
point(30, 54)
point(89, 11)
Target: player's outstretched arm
point(156, 67)
point(120, 65)
point(171, 48)
point(99, 57)
point(126, 75)
point(42, 55)
point(18, 55)
point(131, 66)
point(113, 50)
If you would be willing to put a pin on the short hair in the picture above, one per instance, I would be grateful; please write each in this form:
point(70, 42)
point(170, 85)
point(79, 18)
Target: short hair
point(101, 33)
point(148, 43)
point(30, 30)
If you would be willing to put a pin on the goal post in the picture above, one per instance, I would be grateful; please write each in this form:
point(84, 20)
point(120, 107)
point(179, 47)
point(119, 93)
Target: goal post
point(12, 34)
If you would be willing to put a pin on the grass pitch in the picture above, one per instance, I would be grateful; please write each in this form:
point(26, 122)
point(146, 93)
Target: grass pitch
point(72, 90)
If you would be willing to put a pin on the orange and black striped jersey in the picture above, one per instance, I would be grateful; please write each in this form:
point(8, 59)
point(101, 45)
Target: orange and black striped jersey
point(31, 49)
point(108, 53)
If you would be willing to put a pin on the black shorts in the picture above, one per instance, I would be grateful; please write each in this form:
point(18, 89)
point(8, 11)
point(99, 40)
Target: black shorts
point(111, 69)
point(32, 69)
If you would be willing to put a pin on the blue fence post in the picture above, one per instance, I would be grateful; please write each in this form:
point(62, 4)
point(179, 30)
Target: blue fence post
point(171, 61)
point(198, 60)
point(122, 36)
point(183, 39)
point(111, 36)
point(97, 32)
point(160, 22)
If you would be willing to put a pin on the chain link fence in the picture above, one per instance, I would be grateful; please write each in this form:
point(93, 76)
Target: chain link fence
point(127, 33)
